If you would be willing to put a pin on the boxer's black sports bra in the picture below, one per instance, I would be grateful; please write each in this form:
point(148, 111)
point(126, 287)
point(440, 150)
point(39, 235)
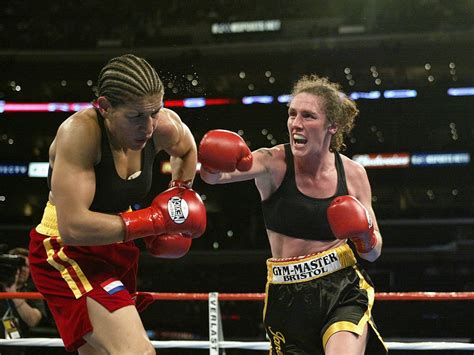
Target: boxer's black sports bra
point(112, 193)
point(290, 212)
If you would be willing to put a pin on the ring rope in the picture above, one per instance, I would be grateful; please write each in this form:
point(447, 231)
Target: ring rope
point(216, 341)
point(381, 296)
point(255, 345)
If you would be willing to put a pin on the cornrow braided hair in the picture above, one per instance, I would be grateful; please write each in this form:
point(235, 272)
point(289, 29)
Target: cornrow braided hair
point(339, 109)
point(126, 77)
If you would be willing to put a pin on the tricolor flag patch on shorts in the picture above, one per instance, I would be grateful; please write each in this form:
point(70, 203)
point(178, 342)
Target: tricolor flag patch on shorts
point(112, 286)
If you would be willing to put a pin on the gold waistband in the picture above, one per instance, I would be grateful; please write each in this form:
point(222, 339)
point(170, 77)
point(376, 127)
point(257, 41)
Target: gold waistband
point(309, 267)
point(49, 222)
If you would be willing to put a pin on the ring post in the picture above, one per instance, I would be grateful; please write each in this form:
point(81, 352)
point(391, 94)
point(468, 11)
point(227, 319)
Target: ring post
point(216, 333)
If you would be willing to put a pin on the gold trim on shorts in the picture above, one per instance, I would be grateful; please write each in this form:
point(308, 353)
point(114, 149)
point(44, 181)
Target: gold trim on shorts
point(312, 266)
point(69, 269)
point(49, 222)
point(309, 267)
point(366, 318)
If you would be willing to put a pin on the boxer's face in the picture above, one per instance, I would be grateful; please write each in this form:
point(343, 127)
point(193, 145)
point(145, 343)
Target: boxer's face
point(308, 126)
point(132, 124)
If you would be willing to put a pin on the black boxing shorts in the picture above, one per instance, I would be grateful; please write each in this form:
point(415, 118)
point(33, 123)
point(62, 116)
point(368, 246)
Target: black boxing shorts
point(310, 298)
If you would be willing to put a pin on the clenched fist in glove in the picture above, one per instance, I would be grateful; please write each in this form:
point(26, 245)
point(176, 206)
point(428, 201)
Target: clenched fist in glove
point(178, 210)
point(168, 246)
point(224, 151)
point(348, 218)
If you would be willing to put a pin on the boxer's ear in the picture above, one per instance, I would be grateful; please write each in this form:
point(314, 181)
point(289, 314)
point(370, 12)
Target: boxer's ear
point(332, 128)
point(103, 104)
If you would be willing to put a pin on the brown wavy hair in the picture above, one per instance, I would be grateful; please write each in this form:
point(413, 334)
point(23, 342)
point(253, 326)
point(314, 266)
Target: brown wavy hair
point(339, 109)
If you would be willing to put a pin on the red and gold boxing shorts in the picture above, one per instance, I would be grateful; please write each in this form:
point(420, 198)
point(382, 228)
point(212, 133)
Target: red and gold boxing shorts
point(67, 275)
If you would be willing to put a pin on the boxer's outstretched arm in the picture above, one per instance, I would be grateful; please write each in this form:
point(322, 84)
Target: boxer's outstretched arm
point(225, 157)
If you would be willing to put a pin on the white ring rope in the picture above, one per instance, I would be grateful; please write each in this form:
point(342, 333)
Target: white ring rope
point(216, 336)
point(255, 345)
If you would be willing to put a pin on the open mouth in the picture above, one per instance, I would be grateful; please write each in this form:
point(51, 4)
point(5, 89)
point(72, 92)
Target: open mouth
point(141, 141)
point(298, 139)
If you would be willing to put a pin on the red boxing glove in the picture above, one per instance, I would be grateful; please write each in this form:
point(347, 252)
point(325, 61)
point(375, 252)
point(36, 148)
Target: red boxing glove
point(224, 151)
point(167, 246)
point(176, 210)
point(348, 218)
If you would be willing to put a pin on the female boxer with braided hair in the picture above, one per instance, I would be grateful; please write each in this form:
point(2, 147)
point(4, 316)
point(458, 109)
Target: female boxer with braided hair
point(318, 300)
point(82, 255)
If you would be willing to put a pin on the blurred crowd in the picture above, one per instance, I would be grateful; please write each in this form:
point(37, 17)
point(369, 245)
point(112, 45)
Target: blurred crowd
point(89, 24)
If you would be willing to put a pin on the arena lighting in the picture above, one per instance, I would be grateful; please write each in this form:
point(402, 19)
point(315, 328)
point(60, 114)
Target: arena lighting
point(399, 94)
point(246, 26)
point(283, 99)
point(202, 102)
point(195, 102)
point(467, 91)
point(248, 100)
point(13, 169)
point(43, 106)
point(165, 167)
point(440, 159)
point(38, 169)
point(419, 159)
point(370, 161)
point(383, 160)
point(217, 102)
point(33, 169)
point(371, 95)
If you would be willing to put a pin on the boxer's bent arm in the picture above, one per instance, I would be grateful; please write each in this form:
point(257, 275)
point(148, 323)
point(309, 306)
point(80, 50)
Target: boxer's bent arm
point(183, 156)
point(363, 192)
point(175, 138)
point(73, 189)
